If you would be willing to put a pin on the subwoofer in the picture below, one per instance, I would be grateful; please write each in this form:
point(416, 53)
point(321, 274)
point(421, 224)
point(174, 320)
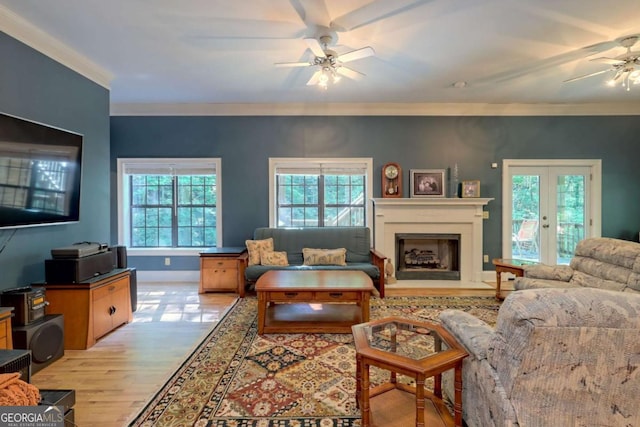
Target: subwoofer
point(45, 339)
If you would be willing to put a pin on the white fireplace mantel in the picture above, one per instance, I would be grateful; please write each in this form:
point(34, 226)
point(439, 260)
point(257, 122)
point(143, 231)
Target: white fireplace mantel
point(433, 215)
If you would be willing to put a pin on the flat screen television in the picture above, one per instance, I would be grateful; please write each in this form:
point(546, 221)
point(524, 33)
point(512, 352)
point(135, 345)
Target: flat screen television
point(40, 174)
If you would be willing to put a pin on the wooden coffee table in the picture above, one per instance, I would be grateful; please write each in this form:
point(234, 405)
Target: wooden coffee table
point(513, 266)
point(325, 301)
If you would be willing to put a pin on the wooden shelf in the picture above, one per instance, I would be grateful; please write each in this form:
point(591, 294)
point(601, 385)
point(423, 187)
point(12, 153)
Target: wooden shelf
point(311, 318)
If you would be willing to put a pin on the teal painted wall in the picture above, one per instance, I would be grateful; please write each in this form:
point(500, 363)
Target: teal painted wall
point(246, 143)
point(34, 87)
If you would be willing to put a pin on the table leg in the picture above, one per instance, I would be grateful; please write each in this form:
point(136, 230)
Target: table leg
point(364, 387)
point(420, 401)
point(262, 311)
point(365, 306)
point(358, 380)
point(498, 284)
point(457, 405)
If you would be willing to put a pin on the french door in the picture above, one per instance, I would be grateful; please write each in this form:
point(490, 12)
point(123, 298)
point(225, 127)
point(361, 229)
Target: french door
point(549, 206)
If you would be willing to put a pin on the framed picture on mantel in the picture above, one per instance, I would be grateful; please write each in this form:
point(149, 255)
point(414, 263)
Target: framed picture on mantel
point(470, 189)
point(428, 182)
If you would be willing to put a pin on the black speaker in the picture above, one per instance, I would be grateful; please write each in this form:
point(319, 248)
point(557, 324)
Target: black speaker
point(133, 287)
point(45, 339)
point(121, 253)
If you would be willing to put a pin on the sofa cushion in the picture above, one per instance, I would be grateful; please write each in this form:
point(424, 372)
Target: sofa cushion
point(548, 272)
point(254, 247)
point(588, 281)
point(521, 283)
point(273, 258)
point(600, 269)
point(313, 256)
point(612, 251)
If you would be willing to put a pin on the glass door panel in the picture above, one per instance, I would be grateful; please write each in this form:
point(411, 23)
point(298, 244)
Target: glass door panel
point(549, 206)
point(525, 216)
point(571, 217)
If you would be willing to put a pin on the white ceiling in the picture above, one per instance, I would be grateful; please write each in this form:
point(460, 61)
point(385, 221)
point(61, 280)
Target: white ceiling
point(223, 51)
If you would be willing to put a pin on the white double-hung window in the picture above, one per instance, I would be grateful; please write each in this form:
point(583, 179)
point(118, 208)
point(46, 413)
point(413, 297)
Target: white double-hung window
point(306, 192)
point(169, 203)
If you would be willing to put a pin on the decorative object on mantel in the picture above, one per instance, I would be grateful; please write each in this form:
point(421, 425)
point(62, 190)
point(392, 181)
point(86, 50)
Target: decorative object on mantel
point(455, 181)
point(428, 182)
point(391, 180)
point(470, 189)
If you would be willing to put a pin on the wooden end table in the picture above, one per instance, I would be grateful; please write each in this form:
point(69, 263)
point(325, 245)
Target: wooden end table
point(222, 270)
point(323, 301)
point(513, 266)
point(411, 348)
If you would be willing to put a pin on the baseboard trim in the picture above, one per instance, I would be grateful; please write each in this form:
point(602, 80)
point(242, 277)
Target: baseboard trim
point(169, 276)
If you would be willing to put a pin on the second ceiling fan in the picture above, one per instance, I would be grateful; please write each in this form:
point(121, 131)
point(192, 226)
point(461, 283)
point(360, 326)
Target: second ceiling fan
point(626, 67)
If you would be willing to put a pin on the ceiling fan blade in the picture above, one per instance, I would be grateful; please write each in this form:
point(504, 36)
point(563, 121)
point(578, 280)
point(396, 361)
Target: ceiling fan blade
point(587, 75)
point(315, 78)
point(315, 47)
point(544, 64)
point(312, 13)
point(373, 12)
point(350, 73)
point(292, 64)
point(610, 61)
point(357, 54)
point(619, 74)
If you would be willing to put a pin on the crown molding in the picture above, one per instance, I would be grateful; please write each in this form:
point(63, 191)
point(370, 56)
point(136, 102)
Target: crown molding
point(22, 30)
point(355, 109)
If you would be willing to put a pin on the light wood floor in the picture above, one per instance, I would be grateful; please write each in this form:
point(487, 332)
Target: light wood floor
point(115, 378)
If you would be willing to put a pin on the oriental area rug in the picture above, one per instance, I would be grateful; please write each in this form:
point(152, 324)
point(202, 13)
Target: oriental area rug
point(237, 378)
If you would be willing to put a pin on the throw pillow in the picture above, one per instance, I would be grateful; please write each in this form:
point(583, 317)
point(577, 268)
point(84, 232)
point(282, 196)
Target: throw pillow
point(324, 256)
point(273, 258)
point(254, 247)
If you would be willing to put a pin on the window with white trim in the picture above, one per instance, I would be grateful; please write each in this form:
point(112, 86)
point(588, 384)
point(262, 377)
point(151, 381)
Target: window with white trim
point(169, 203)
point(320, 192)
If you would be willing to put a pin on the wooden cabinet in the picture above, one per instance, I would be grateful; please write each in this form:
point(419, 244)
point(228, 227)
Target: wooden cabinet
point(91, 309)
point(6, 340)
point(222, 270)
point(110, 303)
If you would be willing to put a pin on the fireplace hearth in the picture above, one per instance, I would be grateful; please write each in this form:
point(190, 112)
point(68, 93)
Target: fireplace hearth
point(424, 256)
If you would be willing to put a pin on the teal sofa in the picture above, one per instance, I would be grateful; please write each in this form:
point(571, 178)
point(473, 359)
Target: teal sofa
point(356, 240)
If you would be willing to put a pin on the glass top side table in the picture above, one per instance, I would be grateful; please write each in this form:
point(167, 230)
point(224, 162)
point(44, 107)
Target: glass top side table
point(411, 348)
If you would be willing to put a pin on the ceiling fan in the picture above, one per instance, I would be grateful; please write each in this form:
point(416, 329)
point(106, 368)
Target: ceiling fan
point(329, 65)
point(625, 66)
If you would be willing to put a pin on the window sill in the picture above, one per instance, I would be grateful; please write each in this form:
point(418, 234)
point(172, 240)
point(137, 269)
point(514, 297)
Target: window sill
point(165, 251)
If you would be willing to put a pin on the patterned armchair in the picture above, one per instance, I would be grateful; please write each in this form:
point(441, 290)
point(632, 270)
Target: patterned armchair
point(598, 262)
point(557, 357)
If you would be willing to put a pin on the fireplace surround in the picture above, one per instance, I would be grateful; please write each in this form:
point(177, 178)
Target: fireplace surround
point(437, 216)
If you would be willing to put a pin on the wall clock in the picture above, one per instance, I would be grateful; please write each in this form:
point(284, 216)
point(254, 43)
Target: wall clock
point(391, 180)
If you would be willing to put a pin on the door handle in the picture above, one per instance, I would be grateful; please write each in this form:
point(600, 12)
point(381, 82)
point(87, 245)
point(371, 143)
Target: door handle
point(545, 225)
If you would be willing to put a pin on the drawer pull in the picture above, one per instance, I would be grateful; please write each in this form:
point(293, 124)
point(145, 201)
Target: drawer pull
point(290, 294)
point(335, 294)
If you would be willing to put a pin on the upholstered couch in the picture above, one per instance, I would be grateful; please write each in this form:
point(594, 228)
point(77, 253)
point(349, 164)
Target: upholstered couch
point(598, 262)
point(556, 358)
point(356, 241)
